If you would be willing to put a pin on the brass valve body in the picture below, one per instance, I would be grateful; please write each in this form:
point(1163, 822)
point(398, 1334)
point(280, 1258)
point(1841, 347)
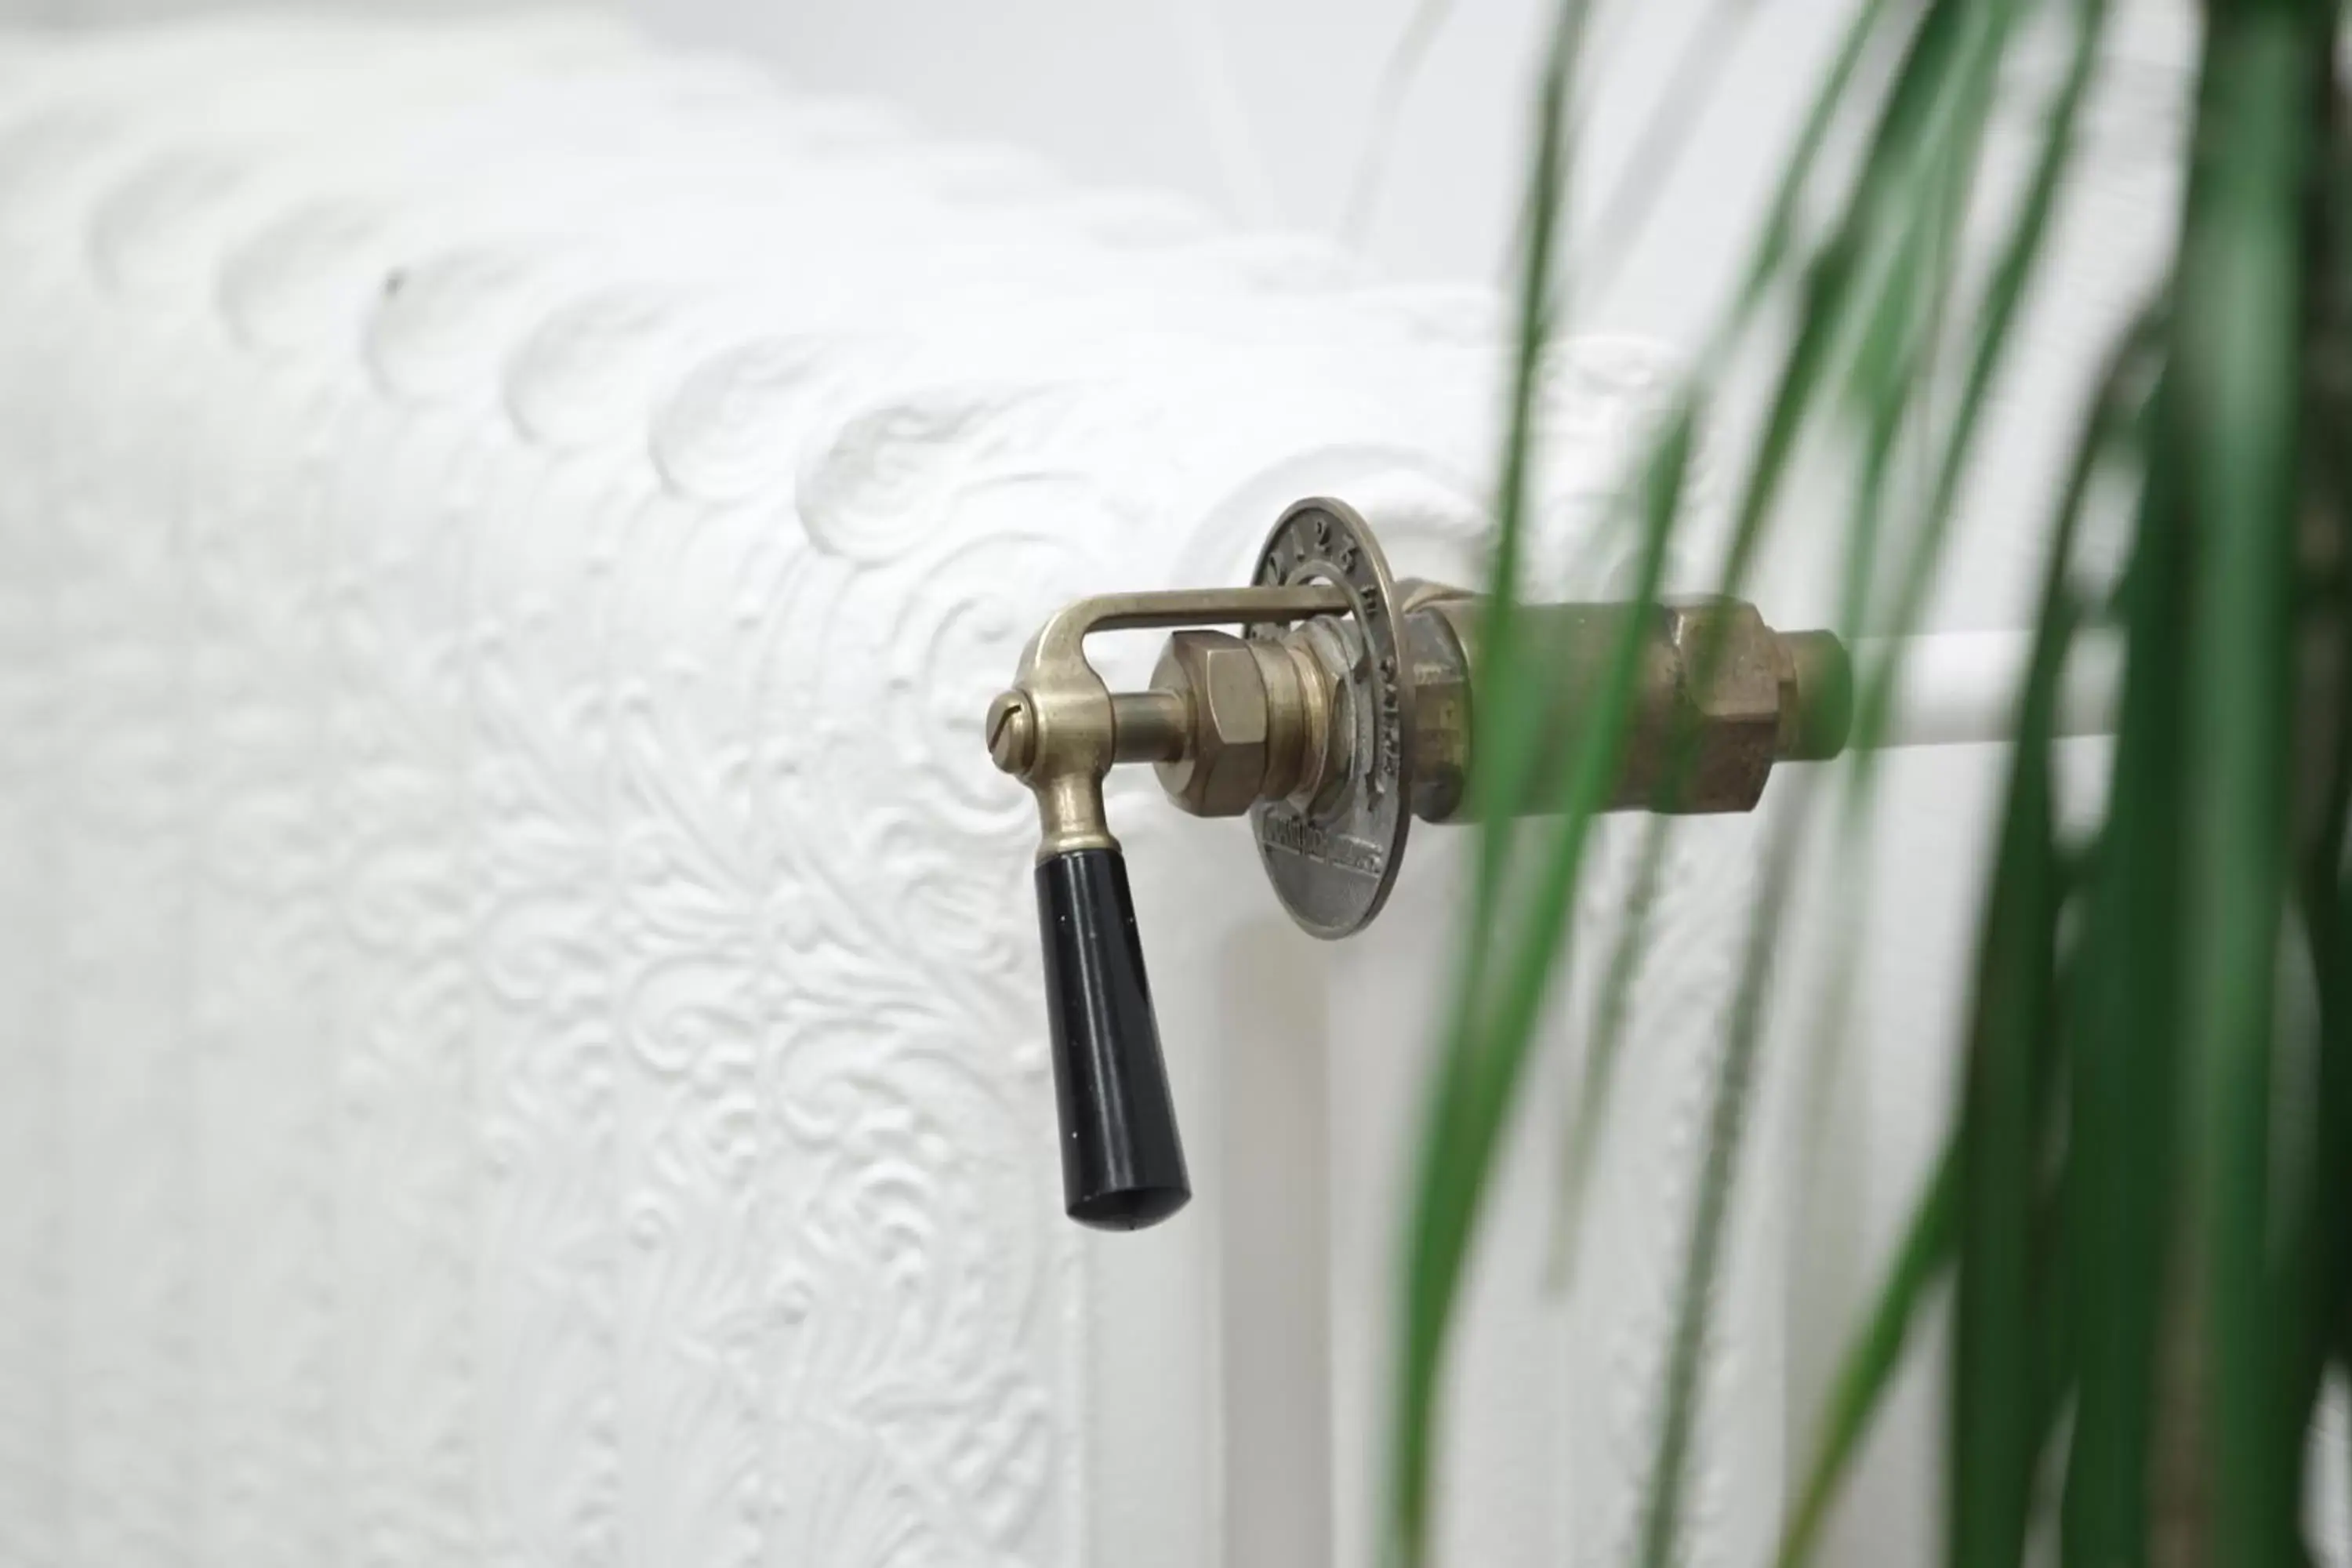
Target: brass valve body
point(1348, 709)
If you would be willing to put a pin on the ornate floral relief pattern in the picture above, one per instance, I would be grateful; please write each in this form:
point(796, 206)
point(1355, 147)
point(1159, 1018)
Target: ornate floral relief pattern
point(121, 883)
point(260, 929)
point(34, 1385)
point(696, 1481)
point(911, 1093)
point(399, 1017)
point(253, 917)
point(543, 919)
point(32, 1230)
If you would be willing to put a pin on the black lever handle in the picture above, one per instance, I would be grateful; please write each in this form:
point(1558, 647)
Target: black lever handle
point(1122, 1162)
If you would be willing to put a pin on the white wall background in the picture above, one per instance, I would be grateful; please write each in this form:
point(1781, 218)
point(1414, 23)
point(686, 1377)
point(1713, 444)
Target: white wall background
point(1396, 126)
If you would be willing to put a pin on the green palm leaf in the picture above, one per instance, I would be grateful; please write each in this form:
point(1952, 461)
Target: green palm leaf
point(2145, 1239)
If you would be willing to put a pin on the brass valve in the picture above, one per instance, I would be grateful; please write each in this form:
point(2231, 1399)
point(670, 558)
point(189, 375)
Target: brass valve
point(1341, 711)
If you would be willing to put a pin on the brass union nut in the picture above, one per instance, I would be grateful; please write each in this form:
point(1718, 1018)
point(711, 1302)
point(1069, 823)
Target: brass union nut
point(1223, 772)
point(1724, 698)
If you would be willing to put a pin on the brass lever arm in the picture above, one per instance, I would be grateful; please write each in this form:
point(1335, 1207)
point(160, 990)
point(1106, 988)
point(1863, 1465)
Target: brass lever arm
point(1058, 730)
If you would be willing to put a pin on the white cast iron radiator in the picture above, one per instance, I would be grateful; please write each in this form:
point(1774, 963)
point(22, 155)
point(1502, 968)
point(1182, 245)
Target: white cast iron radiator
point(519, 1032)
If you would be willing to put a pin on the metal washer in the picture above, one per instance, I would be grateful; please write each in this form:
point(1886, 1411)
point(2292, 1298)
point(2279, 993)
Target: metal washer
point(1334, 873)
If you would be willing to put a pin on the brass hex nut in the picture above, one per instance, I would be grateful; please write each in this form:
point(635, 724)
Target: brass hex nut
point(1725, 707)
point(1224, 771)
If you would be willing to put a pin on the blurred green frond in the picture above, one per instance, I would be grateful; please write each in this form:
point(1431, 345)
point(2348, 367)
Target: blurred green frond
point(2152, 1275)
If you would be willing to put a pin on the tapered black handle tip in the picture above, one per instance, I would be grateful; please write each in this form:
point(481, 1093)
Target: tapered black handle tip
point(1122, 1162)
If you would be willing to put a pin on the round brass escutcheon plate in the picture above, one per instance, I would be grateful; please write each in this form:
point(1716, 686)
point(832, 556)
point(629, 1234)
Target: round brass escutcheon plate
point(1333, 868)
